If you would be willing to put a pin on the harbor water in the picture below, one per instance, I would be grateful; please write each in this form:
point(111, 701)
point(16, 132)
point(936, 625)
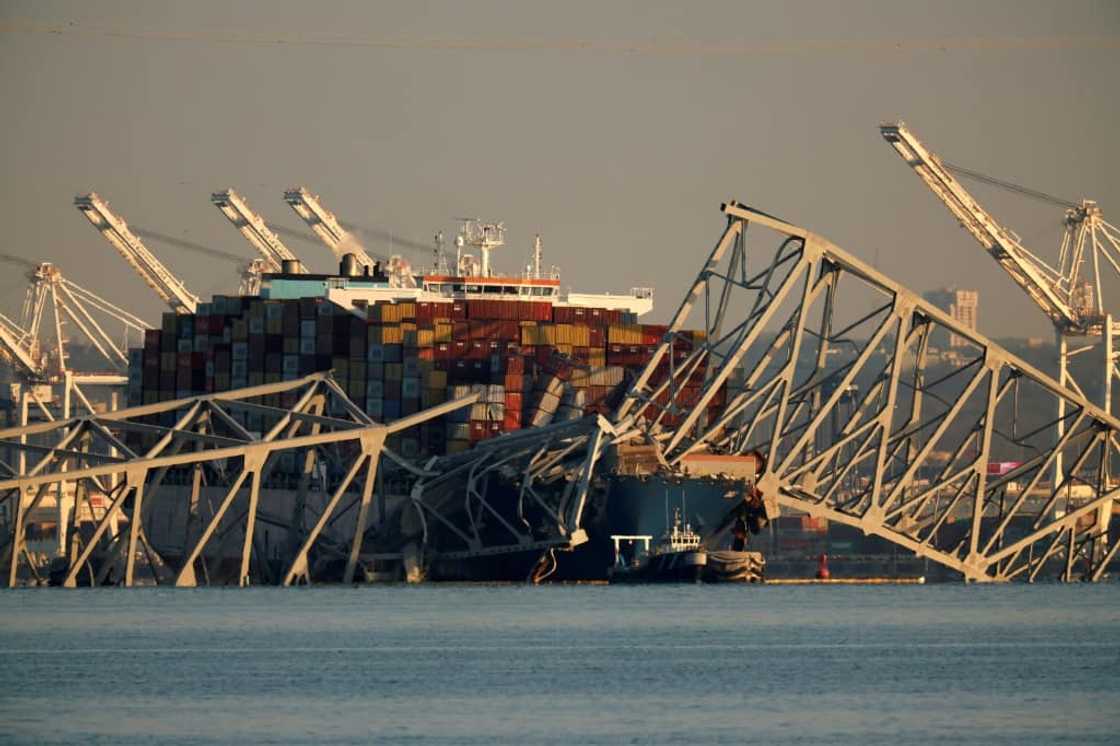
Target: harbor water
point(585, 664)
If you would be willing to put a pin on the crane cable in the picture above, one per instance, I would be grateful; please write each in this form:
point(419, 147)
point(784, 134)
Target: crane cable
point(1032, 193)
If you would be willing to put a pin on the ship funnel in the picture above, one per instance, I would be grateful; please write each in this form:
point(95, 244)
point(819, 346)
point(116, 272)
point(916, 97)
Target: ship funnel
point(349, 266)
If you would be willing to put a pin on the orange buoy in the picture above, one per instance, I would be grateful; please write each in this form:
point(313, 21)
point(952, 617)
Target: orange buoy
point(822, 568)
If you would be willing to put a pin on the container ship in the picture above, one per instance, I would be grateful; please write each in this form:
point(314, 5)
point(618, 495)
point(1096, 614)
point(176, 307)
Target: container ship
point(399, 342)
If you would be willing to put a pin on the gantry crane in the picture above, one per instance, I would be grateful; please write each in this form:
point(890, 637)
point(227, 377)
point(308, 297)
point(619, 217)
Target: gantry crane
point(326, 225)
point(1076, 306)
point(70, 303)
point(255, 231)
point(37, 346)
point(166, 285)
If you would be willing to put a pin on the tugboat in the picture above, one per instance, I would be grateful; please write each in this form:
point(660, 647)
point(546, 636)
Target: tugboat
point(679, 556)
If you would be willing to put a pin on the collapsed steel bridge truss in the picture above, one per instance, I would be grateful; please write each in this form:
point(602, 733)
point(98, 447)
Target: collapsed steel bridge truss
point(829, 371)
point(548, 473)
point(297, 456)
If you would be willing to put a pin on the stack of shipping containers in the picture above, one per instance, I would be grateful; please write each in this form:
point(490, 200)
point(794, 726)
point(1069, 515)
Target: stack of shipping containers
point(530, 362)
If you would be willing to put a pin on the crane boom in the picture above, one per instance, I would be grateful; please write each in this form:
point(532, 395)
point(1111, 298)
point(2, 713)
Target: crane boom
point(1049, 288)
point(254, 229)
point(166, 285)
point(13, 347)
point(326, 225)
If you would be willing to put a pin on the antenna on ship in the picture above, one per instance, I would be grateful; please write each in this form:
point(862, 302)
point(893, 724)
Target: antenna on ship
point(440, 260)
point(483, 236)
point(537, 253)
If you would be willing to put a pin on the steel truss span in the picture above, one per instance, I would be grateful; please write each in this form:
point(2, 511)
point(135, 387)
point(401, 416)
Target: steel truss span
point(177, 493)
point(833, 384)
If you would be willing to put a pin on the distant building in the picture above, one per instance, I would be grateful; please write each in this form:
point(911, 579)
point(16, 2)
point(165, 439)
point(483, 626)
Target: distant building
point(962, 305)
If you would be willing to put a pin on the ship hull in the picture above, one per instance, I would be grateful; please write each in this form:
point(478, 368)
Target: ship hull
point(694, 567)
point(644, 505)
point(669, 567)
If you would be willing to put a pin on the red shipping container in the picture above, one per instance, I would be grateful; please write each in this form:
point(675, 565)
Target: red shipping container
point(652, 333)
point(441, 310)
point(597, 337)
point(514, 401)
point(427, 353)
point(511, 421)
point(493, 428)
point(460, 330)
point(459, 310)
point(999, 468)
point(515, 365)
point(423, 311)
point(460, 348)
point(479, 350)
point(478, 430)
point(444, 351)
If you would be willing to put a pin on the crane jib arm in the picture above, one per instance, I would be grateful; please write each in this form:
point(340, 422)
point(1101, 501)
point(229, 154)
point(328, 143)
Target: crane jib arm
point(1041, 282)
point(325, 225)
point(254, 229)
point(168, 287)
point(10, 344)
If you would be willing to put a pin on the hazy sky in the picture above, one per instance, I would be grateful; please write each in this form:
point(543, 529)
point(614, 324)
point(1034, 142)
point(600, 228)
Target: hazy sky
point(613, 129)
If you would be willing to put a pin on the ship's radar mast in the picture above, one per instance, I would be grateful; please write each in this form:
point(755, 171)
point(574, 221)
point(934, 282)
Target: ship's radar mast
point(440, 267)
point(483, 236)
point(537, 253)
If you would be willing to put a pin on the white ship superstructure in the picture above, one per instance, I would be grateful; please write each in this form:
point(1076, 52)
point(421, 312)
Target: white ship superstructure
point(474, 278)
